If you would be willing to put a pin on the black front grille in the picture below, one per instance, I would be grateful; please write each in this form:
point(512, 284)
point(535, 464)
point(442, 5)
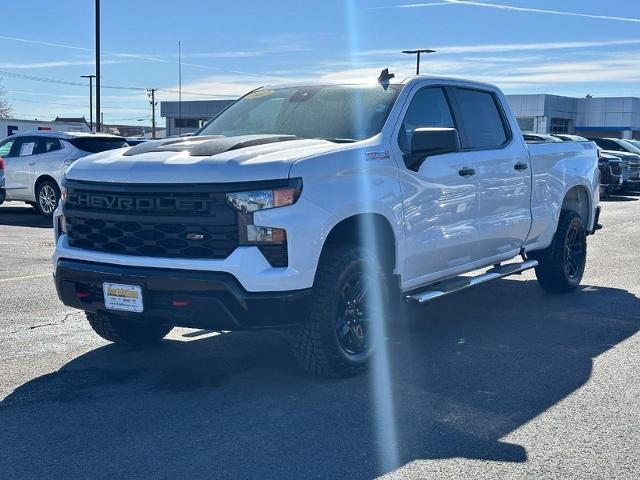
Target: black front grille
point(152, 239)
point(186, 221)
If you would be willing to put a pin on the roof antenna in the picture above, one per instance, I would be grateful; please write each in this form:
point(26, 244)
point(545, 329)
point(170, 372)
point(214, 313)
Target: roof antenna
point(385, 76)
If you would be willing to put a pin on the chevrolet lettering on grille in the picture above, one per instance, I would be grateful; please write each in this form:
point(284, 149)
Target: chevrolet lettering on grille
point(115, 202)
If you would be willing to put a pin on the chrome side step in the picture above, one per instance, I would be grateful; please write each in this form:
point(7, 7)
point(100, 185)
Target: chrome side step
point(455, 284)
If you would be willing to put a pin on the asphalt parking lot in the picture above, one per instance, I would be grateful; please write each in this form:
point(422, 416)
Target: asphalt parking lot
point(501, 382)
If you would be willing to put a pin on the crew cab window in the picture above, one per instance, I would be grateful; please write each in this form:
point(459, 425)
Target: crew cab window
point(5, 148)
point(483, 124)
point(47, 145)
point(429, 108)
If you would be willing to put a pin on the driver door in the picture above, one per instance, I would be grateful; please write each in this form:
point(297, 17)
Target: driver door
point(18, 169)
point(440, 199)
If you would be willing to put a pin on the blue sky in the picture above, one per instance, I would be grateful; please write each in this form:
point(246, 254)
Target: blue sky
point(573, 47)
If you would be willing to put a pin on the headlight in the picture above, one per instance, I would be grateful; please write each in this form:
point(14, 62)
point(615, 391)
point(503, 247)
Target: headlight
point(252, 201)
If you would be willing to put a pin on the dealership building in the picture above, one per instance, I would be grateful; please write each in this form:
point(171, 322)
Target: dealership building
point(538, 113)
point(617, 117)
point(188, 116)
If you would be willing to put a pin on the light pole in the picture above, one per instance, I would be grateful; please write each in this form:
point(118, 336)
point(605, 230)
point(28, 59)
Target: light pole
point(90, 77)
point(98, 112)
point(152, 100)
point(417, 53)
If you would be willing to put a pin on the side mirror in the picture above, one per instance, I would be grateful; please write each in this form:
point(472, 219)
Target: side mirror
point(426, 142)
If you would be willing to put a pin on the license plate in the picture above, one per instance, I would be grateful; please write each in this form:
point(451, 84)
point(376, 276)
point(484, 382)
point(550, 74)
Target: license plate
point(126, 298)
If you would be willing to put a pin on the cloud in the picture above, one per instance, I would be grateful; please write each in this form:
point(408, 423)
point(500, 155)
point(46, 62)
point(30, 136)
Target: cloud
point(520, 9)
point(53, 64)
point(512, 72)
point(45, 44)
point(510, 47)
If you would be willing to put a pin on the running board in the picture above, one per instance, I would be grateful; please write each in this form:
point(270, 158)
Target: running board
point(455, 284)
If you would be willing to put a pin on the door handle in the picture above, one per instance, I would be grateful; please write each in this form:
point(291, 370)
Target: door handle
point(32, 164)
point(520, 166)
point(466, 172)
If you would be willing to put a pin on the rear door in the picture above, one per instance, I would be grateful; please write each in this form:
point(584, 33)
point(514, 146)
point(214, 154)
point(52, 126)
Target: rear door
point(502, 169)
point(48, 159)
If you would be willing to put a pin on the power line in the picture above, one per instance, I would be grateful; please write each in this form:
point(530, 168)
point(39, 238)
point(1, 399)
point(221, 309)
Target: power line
point(63, 82)
point(37, 102)
point(111, 87)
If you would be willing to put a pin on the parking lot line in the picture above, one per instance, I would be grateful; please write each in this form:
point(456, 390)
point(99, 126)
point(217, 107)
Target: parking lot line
point(27, 277)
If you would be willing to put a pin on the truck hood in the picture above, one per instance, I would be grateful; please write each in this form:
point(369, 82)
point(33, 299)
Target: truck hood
point(628, 156)
point(200, 160)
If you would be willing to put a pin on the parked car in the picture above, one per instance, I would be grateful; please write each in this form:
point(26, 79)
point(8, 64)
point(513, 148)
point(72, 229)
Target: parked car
point(565, 137)
point(318, 208)
point(610, 166)
point(35, 162)
point(540, 138)
point(611, 173)
point(630, 156)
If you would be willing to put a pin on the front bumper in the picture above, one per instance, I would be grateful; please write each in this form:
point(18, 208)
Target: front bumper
point(212, 300)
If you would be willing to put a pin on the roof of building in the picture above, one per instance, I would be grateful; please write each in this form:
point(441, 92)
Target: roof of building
point(62, 135)
point(71, 120)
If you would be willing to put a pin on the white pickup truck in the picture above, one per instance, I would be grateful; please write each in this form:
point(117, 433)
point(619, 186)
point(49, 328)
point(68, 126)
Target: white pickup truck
point(315, 208)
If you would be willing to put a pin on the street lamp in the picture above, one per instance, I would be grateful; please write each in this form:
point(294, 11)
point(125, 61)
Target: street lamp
point(90, 77)
point(417, 53)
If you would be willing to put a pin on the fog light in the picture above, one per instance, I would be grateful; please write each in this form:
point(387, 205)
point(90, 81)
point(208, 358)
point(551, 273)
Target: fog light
point(257, 234)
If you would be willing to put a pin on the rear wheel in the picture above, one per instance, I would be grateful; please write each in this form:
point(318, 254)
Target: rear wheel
point(117, 330)
point(561, 265)
point(47, 197)
point(351, 292)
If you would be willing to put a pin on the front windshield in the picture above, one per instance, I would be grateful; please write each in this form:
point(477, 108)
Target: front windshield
point(635, 144)
point(336, 113)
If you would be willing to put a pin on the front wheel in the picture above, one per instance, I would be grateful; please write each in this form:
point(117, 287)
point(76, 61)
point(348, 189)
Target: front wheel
point(561, 264)
point(350, 300)
point(117, 330)
point(47, 198)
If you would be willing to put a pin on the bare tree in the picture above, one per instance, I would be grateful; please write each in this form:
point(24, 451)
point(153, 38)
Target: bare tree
point(5, 108)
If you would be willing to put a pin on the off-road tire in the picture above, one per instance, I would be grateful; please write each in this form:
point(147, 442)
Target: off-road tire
point(553, 273)
point(315, 343)
point(51, 190)
point(117, 330)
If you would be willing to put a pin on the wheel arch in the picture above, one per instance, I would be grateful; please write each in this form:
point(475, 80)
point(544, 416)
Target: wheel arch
point(43, 178)
point(578, 199)
point(356, 229)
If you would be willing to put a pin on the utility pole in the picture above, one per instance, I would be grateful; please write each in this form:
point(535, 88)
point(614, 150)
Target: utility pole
point(180, 87)
point(152, 100)
point(90, 77)
point(417, 53)
point(98, 111)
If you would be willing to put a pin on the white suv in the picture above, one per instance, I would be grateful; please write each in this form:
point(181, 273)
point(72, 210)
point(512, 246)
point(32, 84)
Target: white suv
point(35, 163)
